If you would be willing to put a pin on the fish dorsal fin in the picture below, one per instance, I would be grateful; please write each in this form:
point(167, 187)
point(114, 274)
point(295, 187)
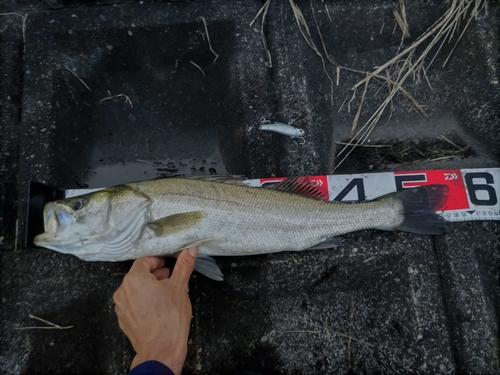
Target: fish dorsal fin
point(300, 185)
point(225, 179)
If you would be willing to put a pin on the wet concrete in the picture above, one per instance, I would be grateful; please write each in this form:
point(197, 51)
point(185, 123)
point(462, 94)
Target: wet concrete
point(381, 302)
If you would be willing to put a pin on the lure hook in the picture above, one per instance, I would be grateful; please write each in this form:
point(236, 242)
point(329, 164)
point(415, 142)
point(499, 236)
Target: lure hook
point(301, 140)
point(263, 121)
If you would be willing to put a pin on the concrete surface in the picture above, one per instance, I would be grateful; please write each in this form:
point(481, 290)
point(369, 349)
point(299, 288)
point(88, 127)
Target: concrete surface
point(380, 303)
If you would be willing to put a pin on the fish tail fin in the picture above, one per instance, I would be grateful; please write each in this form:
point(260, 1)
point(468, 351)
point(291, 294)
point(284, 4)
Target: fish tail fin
point(419, 209)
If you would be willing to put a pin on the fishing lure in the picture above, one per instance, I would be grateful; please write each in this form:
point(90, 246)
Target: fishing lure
point(284, 129)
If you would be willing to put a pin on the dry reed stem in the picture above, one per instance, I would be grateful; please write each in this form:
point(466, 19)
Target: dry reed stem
point(454, 144)
point(208, 38)
point(456, 43)
point(201, 70)
point(258, 13)
point(52, 325)
point(328, 13)
point(263, 11)
point(127, 99)
point(325, 328)
point(306, 34)
point(23, 27)
point(369, 146)
point(360, 106)
point(342, 106)
point(405, 21)
point(401, 20)
point(81, 80)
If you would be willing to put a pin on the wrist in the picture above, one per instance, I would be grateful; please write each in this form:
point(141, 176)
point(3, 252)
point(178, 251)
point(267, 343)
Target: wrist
point(173, 360)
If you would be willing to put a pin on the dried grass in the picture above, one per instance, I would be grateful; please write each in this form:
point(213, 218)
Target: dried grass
point(263, 11)
point(408, 63)
point(24, 17)
point(208, 39)
point(81, 80)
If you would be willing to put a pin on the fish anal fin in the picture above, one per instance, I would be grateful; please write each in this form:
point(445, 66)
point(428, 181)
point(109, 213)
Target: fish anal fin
point(300, 185)
point(207, 266)
point(329, 243)
point(174, 223)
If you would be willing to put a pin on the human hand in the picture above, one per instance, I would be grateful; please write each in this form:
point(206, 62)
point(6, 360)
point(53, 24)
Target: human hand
point(154, 311)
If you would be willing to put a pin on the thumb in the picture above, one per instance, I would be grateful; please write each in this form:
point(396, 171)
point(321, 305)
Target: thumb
point(184, 266)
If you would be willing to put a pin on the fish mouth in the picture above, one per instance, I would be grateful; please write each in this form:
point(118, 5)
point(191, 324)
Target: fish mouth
point(54, 221)
point(50, 224)
point(44, 240)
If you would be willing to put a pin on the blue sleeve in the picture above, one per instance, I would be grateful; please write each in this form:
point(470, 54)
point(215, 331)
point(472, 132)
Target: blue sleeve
point(151, 368)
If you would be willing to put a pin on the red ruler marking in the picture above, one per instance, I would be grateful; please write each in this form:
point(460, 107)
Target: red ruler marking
point(457, 198)
point(321, 182)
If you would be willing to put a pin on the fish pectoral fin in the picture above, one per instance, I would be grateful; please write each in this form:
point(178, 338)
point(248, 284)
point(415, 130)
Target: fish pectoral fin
point(207, 266)
point(174, 223)
point(329, 243)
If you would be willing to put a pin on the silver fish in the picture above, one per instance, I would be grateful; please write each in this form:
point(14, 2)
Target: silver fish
point(162, 217)
point(284, 129)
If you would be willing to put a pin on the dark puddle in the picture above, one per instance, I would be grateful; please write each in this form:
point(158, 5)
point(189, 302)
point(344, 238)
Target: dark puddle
point(139, 170)
point(390, 155)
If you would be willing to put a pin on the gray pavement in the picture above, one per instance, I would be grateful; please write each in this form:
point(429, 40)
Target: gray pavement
point(379, 303)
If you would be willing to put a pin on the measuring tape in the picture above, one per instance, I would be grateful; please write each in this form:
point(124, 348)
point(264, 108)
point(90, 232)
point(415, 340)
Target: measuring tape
point(473, 193)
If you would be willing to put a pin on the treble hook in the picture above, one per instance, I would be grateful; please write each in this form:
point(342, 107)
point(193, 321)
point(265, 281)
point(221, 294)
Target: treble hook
point(302, 139)
point(263, 121)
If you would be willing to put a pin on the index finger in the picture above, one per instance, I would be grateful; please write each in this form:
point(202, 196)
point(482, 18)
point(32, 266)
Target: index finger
point(147, 264)
point(184, 266)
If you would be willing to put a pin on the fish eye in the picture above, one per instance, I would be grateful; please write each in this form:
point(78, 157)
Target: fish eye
point(301, 131)
point(78, 203)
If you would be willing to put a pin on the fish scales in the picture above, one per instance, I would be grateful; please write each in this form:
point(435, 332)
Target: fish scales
point(161, 217)
point(254, 221)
